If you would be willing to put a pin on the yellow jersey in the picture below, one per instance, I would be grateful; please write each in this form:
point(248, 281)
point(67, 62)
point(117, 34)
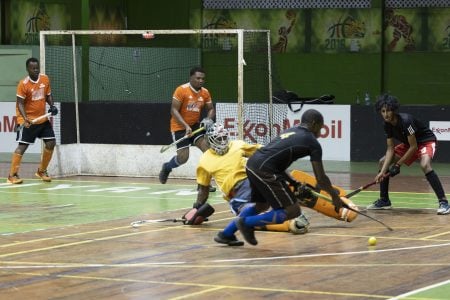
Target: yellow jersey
point(227, 169)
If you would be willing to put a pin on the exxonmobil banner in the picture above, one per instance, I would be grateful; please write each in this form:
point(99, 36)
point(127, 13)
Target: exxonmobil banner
point(8, 122)
point(441, 129)
point(335, 134)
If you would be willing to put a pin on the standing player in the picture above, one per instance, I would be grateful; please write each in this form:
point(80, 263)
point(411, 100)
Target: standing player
point(266, 171)
point(188, 101)
point(33, 93)
point(417, 142)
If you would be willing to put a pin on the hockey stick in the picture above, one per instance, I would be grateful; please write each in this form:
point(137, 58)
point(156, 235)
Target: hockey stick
point(349, 208)
point(34, 120)
point(351, 194)
point(143, 222)
point(165, 148)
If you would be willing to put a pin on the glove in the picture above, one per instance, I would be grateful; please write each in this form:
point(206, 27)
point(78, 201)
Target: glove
point(303, 192)
point(394, 170)
point(207, 123)
point(53, 110)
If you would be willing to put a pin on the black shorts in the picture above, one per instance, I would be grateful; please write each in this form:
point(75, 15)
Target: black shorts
point(267, 187)
point(189, 141)
point(28, 135)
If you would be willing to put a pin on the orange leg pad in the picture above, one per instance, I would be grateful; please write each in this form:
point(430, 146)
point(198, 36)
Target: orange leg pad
point(323, 206)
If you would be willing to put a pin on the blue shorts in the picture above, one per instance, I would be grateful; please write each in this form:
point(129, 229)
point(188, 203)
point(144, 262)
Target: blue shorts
point(28, 135)
point(242, 194)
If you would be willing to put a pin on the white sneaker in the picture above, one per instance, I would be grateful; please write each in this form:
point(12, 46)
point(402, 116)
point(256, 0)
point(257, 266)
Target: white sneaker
point(444, 208)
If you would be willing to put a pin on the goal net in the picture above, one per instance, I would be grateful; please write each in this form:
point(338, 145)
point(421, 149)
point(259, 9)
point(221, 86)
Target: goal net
point(114, 89)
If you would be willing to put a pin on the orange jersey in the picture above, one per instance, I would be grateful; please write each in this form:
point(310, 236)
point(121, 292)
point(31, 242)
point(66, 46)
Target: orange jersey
point(192, 103)
point(34, 94)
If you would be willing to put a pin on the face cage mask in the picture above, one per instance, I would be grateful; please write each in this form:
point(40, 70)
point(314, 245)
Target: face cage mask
point(218, 141)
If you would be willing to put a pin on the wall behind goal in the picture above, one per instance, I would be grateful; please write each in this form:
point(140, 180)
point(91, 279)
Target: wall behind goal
point(356, 134)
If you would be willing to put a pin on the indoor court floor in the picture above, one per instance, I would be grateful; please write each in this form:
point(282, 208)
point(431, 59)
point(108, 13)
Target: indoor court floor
point(72, 239)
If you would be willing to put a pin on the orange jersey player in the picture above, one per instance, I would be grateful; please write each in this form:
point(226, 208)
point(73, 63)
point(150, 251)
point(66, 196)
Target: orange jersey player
point(188, 102)
point(33, 92)
point(190, 105)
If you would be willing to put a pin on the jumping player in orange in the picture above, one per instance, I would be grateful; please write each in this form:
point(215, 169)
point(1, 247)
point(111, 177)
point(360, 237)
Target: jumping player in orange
point(188, 101)
point(33, 92)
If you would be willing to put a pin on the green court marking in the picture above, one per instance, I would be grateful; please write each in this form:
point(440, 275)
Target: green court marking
point(439, 291)
point(36, 205)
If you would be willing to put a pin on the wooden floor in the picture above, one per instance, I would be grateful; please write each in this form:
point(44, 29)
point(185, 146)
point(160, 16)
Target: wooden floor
point(111, 260)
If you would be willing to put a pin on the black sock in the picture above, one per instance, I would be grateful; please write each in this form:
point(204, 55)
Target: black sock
point(384, 188)
point(436, 185)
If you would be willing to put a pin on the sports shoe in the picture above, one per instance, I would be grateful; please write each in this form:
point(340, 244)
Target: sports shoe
point(380, 204)
point(299, 225)
point(164, 173)
point(247, 232)
point(15, 179)
point(230, 241)
point(43, 175)
point(444, 208)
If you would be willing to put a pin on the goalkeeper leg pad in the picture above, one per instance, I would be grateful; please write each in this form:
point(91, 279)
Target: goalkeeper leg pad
point(283, 227)
point(198, 216)
point(310, 180)
point(327, 208)
point(322, 205)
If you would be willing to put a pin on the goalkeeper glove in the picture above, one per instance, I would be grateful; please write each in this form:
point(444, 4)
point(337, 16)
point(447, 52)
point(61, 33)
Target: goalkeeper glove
point(53, 110)
point(303, 192)
point(207, 123)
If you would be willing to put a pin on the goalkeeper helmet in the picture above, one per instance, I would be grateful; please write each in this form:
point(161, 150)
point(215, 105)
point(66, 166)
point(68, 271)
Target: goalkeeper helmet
point(217, 137)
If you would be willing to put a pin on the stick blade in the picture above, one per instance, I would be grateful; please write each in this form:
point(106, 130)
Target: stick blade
point(164, 148)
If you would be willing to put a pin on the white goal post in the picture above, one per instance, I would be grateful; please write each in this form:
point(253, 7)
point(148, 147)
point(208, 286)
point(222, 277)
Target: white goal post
point(73, 40)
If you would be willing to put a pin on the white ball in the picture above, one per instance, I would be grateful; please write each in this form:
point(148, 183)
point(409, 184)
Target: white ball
point(148, 133)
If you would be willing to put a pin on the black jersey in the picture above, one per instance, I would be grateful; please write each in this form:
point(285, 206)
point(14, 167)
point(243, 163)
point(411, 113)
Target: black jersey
point(281, 152)
point(408, 125)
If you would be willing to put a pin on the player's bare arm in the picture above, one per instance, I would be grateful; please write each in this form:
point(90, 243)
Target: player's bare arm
point(49, 100)
point(21, 106)
point(325, 183)
point(211, 110)
point(203, 193)
point(175, 111)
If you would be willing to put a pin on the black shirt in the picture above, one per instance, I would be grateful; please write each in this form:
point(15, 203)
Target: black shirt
point(281, 152)
point(408, 125)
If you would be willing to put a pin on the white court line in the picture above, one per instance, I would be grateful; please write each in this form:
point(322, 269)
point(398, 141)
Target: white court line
point(328, 254)
point(16, 186)
point(420, 290)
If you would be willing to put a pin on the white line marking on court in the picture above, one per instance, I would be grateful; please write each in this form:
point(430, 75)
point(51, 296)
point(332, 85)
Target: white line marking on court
point(16, 186)
point(420, 290)
point(328, 254)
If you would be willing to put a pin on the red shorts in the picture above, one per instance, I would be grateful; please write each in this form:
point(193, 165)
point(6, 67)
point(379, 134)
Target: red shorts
point(427, 148)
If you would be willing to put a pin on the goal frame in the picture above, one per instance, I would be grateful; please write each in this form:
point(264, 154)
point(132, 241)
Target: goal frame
point(240, 60)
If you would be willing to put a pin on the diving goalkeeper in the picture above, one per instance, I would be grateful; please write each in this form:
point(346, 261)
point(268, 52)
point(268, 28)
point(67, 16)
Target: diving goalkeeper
point(225, 161)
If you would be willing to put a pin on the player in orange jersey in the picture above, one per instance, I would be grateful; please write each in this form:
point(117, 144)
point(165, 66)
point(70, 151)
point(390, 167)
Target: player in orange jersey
point(33, 92)
point(188, 101)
